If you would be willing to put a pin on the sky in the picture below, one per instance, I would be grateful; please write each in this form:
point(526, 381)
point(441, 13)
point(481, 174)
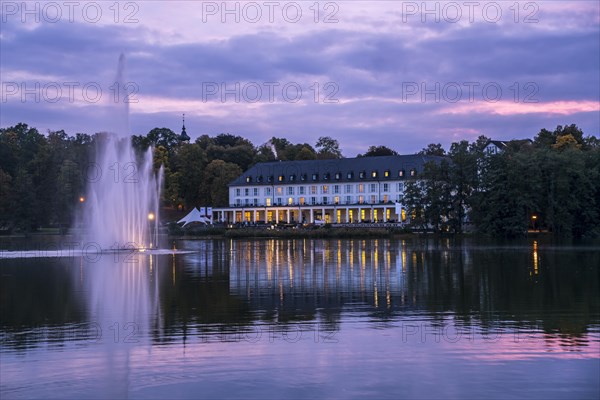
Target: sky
point(397, 73)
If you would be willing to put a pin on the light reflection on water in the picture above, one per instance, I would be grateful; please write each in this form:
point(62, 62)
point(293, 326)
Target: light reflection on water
point(305, 318)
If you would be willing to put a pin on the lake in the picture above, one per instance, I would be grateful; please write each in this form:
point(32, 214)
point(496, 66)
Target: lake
point(377, 318)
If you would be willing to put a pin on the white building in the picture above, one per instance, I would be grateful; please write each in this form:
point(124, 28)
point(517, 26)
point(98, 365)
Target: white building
point(347, 190)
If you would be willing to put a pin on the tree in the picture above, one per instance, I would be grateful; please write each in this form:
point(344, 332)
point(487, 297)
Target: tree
point(6, 201)
point(163, 137)
point(376, 151)
point(433, 149)
point(305, 154)
point(217, 176)
point(412, 199)
point(189, 162)
point(328, 148)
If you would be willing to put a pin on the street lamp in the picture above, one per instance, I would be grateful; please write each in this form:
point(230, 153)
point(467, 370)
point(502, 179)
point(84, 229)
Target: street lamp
point(151, 219)
point(533, 220)
point(81, 199)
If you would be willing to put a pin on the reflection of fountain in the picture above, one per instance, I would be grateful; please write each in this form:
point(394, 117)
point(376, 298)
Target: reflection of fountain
point(121, 212)
point(123, 195)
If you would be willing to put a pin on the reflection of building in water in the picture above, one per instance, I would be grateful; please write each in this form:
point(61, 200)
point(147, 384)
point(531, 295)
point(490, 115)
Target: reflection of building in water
point(309, 274)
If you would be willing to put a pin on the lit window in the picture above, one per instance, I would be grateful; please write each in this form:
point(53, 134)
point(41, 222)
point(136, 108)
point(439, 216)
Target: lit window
point(301, 201)
point(279, 190)
point(361, 199)
point(374, 174)
point(361, 188)
point(350, 175)
point(325, 188)
point(338, 176)
point(315, 177)
point(413, 172)
point(386, 173)
point(401, 173)
point(268, 202)
point(248, 179)
point(290, 201)
point(280, 178)
point(336, 199)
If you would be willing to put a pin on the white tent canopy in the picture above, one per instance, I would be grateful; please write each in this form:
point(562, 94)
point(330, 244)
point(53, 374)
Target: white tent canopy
point(194, 216)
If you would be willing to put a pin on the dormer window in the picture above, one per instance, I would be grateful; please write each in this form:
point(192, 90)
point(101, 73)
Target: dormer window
point(303, 177)
point(350, 175)
point(248, 179)
point(338, 176)
point(401, 173)
point(326, 176)
point(413, 172)
point(362, 174)
point(260, 178)
point(386, 173)
point(270, 178)
point(315, 177)
point(292, 178)
point(280, 178)
point(374, 174)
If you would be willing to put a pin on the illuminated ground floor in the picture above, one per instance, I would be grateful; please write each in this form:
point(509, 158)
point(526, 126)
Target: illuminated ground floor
point(312, 214)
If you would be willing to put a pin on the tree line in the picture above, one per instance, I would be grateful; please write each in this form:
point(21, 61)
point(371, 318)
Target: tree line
point(550, 182)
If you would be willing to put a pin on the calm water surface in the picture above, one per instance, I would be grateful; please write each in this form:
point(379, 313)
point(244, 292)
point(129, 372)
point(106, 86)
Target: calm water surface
point(302, 319)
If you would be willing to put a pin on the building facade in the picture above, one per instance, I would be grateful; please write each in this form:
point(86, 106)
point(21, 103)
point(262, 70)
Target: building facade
point(347, 190)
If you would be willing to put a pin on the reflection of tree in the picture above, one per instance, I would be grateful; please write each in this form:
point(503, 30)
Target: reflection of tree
point(232, 286)
point(36, 295)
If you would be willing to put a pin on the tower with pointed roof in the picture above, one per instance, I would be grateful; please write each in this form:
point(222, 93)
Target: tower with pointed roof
point(184, 136)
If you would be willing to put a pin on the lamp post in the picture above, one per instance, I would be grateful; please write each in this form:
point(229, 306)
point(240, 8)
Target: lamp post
point(151, 219)
point(533, 220)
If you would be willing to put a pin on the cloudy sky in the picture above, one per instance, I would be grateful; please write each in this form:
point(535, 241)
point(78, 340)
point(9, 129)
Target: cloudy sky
point(398, 73)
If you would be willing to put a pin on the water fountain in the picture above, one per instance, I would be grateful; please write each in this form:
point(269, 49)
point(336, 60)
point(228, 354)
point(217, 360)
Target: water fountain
point(121, 207)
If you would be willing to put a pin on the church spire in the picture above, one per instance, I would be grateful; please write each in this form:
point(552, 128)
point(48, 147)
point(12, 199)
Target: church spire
point(184, 136)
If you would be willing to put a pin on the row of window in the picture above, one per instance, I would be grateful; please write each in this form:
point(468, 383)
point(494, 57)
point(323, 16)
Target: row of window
point(314, 200)
point(327, 176)
point(321, 189)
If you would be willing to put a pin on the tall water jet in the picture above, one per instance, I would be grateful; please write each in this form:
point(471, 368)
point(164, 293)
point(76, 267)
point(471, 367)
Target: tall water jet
point(121, 206)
